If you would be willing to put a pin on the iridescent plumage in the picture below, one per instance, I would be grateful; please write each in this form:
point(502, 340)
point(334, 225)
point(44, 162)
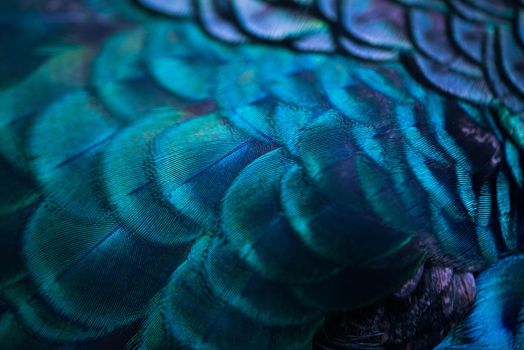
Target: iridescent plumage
point(229, 174)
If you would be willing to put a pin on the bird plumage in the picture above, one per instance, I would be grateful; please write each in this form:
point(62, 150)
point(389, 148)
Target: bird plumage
point(228, 174)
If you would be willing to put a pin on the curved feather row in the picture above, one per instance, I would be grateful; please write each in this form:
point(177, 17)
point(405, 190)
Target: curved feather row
point(472, 50)
point(238, 205)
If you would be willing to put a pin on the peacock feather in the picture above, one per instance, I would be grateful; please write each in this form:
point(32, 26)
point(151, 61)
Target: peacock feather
point(250, 174)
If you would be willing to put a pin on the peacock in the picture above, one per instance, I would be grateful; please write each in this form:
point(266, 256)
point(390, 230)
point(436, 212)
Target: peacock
point(261, 174)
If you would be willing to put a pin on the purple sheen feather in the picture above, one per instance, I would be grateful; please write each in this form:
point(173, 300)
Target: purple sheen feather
point(429, 30)
point(328, 8)
point(434, 4)
point(217, 26)
point(460, 85)
point(169, 7)
point(512, 59)
point(376, 22)
point(472, 13)
point(319, 42)
point(499, 8)
point(366, 52)
point(269, 22)
point(497, 82)
point(469, 37)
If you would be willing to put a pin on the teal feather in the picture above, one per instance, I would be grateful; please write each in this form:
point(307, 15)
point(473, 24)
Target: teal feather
point(19, 102)
point(122, 82)
point(130, 192)
point(153, 333)
point(40, 319)
point(174, 52)
point(228, 174)
point(64, 165)
point(19, 195)
point(457, 239)
point(496, 320)
point(269, 302)
point(260, 231)
point(13, 336)
point(436, 189)
point(87, 269)
point(506, 217)
point(198, 152)
point(205, 321)
point(487, 243)
point(513, 159)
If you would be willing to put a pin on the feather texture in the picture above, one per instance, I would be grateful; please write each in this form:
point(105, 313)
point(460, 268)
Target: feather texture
point(227, 174)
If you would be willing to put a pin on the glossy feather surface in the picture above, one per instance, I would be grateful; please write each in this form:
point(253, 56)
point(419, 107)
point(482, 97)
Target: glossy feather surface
point(227, 174)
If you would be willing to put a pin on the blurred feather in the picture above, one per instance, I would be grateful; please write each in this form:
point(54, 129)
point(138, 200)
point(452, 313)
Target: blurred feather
point(228, 174)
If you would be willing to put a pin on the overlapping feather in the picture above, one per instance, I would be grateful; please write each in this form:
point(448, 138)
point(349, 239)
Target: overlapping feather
point(211, 195)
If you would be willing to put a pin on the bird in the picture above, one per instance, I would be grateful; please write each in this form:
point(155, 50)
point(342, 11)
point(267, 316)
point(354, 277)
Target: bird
point(261, 174)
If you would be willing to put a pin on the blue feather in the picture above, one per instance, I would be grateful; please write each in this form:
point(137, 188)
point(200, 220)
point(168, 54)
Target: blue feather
point(234, 174)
